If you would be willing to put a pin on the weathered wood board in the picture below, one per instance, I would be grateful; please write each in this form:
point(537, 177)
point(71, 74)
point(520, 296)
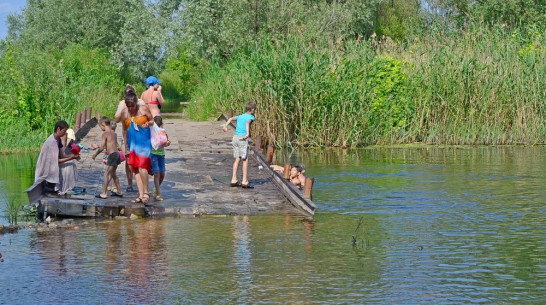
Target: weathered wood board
point(198, 173)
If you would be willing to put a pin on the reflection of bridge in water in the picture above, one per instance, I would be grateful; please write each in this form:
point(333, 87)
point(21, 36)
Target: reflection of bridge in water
point(197, 181)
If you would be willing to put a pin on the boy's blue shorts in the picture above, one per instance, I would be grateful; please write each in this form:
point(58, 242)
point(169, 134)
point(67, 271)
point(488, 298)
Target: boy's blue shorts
point(158, 163)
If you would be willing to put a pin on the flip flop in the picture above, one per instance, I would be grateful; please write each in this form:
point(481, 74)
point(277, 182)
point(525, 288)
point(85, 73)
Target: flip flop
point(247, 186)
point(116, 195)
point(100, 197)
point(158, 198)
point(235, 184)
point(129, 189)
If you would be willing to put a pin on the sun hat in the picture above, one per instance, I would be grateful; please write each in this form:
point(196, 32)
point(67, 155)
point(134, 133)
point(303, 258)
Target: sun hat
point(152, 80)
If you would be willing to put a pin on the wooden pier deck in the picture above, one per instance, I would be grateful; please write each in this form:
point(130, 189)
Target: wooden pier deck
point(198, 173)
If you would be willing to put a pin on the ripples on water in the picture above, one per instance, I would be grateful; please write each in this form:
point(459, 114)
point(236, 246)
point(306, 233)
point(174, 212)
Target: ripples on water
point(438, 226)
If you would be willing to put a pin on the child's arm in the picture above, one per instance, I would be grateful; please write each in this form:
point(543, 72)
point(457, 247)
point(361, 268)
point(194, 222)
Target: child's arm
point(148, 115)
point(124, 134)
point(64, 158)
point(101, 148)
point(248, 129)
point(227, 123)
point(277, 168)
point(168, 140)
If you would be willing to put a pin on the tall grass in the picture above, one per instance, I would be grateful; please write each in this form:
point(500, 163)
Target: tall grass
point(42, 87)
point(484, 86)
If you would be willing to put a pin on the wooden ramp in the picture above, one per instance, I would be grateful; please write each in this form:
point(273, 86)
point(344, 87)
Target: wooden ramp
point(198, 164)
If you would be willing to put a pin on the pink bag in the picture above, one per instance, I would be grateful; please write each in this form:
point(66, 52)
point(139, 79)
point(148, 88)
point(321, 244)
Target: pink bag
point(159, 137)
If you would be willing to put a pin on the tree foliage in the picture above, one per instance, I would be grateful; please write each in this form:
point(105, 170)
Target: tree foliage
point(512, 13)
point(128, 29)
point(218, 28)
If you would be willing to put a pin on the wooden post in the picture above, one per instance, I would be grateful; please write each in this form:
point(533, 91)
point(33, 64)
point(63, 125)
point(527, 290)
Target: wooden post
point(258, 144)
point(90, 113)
point(308, 187)
point(270, 153)
point(86, 115)
point(78, 121)
point(286, 172)
point(98, 116)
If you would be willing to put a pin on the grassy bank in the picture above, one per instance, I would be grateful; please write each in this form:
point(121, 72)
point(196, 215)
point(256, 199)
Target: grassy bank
point(483, 86)
point(42, 87)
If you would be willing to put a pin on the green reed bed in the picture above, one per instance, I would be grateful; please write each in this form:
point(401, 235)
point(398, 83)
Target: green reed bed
point(477, 87)
point(42, 87)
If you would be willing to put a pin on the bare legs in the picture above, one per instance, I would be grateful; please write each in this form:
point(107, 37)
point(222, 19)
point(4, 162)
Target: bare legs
point(235, 167)
point(158, 179)
point(129, 173)
point(110, 174)
point(142, 183)
point(245, 171)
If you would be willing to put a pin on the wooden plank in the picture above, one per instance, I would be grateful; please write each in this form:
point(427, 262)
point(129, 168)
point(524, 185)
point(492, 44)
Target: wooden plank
point(294, 195)
point(198, 162)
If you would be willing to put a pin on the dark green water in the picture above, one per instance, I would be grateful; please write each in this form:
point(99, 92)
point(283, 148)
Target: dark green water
point(437, 226)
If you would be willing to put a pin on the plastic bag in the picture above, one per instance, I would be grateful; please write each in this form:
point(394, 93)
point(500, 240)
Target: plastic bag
point(159, 137)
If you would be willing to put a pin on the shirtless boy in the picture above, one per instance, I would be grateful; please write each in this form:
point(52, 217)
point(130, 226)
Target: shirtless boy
point(110, 143)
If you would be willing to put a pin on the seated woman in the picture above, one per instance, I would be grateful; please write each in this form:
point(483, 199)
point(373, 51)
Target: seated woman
point(295, 173)
point(53, 165)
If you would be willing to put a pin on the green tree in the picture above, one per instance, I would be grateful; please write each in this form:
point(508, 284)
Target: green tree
point(219, 28)
point(395, 18)
point(511, 13)
point(132, 31)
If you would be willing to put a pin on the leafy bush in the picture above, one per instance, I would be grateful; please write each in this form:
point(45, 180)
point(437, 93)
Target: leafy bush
point(44, 87)
point(478, 87)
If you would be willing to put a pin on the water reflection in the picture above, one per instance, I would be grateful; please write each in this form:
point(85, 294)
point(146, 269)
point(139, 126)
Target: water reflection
point(242, 256)
point(438, 225)
point(16, 175)
point(131, 254)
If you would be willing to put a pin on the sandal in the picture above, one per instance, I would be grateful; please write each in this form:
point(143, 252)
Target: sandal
point(158, 197)
point(116, 195)
point(145, 198)
point(100, 197)
point(235, 184)
point(129, 189)
point(138, 200)
point(247, 186)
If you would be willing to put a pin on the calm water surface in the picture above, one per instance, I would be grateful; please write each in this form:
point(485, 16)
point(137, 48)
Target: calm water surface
point(432, 226)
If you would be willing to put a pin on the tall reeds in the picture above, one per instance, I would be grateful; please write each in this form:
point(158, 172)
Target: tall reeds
point(482, 86)
point(42, 87)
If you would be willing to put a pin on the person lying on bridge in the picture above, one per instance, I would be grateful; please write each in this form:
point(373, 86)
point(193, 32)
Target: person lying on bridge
point(110, 143)
point(240, 143)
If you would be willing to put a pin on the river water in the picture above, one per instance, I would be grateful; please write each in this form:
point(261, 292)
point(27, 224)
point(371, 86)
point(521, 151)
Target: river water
point(433, 225)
